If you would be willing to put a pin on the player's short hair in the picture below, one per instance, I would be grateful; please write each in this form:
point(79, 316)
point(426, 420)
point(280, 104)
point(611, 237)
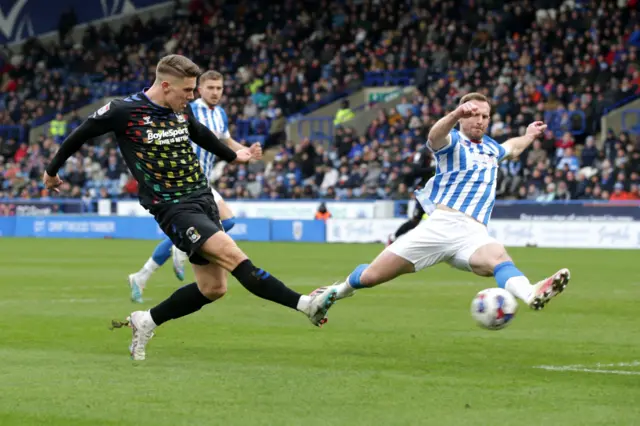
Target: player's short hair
point(177, 66)
point(210, 75)
point(474, 96)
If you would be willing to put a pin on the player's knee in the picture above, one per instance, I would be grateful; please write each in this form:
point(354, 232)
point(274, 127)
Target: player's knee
point(501, 257)
point(483, 271)
point(494, 260)
point(486, 258)
point(213, 288)
point(231, 256)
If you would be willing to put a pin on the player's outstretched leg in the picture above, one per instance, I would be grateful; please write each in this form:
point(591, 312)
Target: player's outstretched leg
point(138, 280)
point(211, 285)
point(387, 266)
point(221, 249)
point(493, 260)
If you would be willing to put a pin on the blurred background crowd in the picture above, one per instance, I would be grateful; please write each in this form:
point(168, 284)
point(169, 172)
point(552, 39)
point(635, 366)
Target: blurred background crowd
point(284, 59)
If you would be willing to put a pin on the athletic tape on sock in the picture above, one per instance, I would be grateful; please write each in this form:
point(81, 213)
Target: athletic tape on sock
point(354, 277)
point(504, 271)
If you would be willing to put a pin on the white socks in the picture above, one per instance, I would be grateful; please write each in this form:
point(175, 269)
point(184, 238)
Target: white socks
point(520, 287)
point(344, 289)
point(150, 266)
point(303, 303)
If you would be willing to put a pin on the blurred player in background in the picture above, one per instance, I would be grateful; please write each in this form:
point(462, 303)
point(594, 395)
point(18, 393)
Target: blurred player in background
point(460, 199)
point(418, 215)
point(208, 111)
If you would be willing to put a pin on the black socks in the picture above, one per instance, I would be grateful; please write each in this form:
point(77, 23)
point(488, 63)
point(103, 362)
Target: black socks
point(264, 285)
point(184, 301)
point(188, 299)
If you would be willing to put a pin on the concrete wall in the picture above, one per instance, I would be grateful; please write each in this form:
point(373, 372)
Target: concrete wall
point(364, 118)
point(300, 128)
point(614, 121)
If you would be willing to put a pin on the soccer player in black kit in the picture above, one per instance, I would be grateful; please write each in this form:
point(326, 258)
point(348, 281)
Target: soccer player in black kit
point(153, 128)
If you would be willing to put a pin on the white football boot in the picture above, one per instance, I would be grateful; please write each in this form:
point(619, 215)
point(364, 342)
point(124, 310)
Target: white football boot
point(549, 288)
point(137, 282)
point(142, 327)
point(179, 259)
point(339, 288)
point(321, 300)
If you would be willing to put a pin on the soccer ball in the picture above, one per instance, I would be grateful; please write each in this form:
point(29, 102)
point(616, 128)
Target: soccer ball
point(494, 308)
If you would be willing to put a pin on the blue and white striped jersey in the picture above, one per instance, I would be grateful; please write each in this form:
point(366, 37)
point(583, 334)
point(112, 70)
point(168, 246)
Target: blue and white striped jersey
point(216, 120)
point(466, 177)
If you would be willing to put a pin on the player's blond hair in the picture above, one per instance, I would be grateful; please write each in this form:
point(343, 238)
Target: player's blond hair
point(177, 66)
point(474, 96)
point(210, 75)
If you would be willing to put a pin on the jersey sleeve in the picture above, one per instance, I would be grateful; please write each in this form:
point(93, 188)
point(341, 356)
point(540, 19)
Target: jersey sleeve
point(225, 121)
point(109, 118)
point(503, 151)
point(202, 136)
point(453, 139)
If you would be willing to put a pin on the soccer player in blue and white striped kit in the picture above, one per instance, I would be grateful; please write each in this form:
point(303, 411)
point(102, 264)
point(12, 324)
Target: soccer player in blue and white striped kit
point(212, 115)
point(460, 199)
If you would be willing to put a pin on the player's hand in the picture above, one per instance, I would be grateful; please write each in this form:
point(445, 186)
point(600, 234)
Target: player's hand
point(536, 129)
point(256, 151)
point(466, 110)
point(52, 182)
point(243, 156)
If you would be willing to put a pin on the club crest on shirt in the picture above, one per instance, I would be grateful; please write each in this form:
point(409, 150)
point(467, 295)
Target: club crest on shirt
point(103, 110)
point(487, 159)
point(180, 117)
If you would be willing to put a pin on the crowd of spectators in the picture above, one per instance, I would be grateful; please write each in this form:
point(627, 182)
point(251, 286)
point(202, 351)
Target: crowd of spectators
point(531, 57)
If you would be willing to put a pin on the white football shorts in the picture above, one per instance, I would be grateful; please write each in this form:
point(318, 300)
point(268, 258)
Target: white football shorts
point(445, 236)
point(216, 196)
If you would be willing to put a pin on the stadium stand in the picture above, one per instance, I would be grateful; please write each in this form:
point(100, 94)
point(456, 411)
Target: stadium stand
point(564, 62)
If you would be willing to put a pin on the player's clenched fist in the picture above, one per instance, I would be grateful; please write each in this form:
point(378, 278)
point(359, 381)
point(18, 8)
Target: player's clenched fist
point(536, 129)
point(256, 151)
point(466, 110)
point(243, 156)
point(52, 182)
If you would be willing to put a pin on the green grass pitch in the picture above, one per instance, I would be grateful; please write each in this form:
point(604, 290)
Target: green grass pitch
point(406, 353)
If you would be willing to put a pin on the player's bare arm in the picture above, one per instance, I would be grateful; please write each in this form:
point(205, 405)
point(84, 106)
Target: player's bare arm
point(255, 149)
point(515, 146)
point(204, 137)
point(439, 134)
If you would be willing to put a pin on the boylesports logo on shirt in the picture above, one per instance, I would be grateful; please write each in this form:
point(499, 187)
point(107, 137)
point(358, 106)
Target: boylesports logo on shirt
point(167, 136)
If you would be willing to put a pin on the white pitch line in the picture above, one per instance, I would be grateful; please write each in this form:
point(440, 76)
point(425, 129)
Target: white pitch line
point(596, 365)
point(619, 364)
point(583, 369)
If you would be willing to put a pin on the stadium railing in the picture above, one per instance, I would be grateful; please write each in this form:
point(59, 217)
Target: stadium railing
point(52, 206)
point(621, 103)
